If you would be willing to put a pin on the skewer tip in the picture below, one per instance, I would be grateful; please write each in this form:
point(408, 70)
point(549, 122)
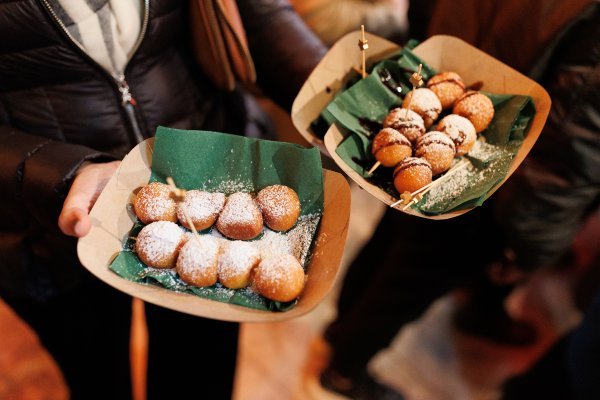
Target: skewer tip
point(374, 167)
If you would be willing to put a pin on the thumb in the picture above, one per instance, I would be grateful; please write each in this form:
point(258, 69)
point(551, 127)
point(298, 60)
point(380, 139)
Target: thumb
point(87, 185)
point(74, 219)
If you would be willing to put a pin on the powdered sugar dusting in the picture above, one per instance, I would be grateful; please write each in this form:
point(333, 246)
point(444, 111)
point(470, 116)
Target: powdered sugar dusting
point(239, 208)
point(200, 205)
point(485, 161)
point(159, 240)
point(301, 236)
point(198, 254)
point(434, 141)
point(228, 186)
point(477, 108)
point(277, 201)
point(486, 152)
point(407, 122)
point(425, 103)
point(276, 269)
point(474, 103)
point(450, 189)
point(424, 99)
point(273, 243)
point(154, 202)
point(237, 258)
point(458, 122)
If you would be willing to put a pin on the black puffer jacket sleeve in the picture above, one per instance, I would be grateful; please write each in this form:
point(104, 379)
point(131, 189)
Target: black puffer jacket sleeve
point(283, 48)
point(544, 205)
point(35, 174)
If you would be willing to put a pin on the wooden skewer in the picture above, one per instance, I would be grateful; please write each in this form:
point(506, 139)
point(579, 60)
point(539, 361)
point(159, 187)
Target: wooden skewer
point(417, 81)
point(358, 70)
point(410, 203)
point(418, 194)
point(404, 197)
point(179, 196)
point(374, 167)
point(451, 172)
point(394, 204)
point(363, 45)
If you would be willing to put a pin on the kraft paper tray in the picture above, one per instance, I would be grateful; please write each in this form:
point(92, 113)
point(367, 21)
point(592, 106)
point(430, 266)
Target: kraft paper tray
point(443, 53)
point(112, 220)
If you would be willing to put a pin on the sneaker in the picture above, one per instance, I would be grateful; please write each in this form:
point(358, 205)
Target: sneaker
point(362, 388)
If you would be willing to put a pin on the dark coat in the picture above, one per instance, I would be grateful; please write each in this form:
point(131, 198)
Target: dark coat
point(544, 204)
point(58, 108)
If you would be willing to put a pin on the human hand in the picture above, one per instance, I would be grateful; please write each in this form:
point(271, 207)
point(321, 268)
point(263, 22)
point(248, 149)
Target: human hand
point(90, 179)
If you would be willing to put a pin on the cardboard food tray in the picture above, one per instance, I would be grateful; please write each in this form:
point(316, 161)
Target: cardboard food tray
point(443, 53)
point(112, 219)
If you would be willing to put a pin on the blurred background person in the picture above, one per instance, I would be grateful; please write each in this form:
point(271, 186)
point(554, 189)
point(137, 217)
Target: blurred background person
point(528, 225)
point(332, 19)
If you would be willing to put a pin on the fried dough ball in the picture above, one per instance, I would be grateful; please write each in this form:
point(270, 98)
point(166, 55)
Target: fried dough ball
point(405, 121)
point(280, 207)
point(477, 108)
point(158, 244)
point(438, 149)
point(279, 278)
point(154, 203)
point(197, 264)
point(448, 87)
point(460, 130)
point(412, 174)
point(390, 147)
point(203, 208)
point(240, 219)
point(425, 103)
point(236, 262)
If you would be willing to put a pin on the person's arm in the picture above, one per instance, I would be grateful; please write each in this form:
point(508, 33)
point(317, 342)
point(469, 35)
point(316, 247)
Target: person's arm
point(36, 174)
point(283, 48)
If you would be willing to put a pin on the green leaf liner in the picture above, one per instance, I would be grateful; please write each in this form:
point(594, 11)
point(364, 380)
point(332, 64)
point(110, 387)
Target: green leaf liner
point(359, 111)
point(220, 162)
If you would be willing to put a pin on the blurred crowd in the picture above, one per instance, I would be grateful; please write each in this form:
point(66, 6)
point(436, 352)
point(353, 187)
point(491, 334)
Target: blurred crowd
point(524, 231)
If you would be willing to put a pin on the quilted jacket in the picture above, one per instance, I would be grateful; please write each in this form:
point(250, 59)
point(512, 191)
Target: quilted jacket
point(58, 108)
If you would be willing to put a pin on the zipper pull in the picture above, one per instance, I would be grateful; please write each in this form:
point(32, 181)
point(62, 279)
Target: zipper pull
point(126, 96)
point(128, 103)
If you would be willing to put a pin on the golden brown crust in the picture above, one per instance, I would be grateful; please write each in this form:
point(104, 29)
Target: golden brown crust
point(412, 174)
point(197, 263)
point(425, 103)
point(279, 278)
point(203, 208)
point(477, 108)
point(153, 203)
point(158, 244)
point(438, 149)
point(390, 147)
point(236, 263)
point(280, 207)
point(240, 219)
point(448, 87)
point(460, 130)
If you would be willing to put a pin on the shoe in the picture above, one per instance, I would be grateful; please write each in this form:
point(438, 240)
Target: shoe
point(361, 388)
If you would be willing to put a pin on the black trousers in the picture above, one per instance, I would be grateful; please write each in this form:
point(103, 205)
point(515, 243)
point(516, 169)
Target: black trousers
point(408, 263)
point(87, 331)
